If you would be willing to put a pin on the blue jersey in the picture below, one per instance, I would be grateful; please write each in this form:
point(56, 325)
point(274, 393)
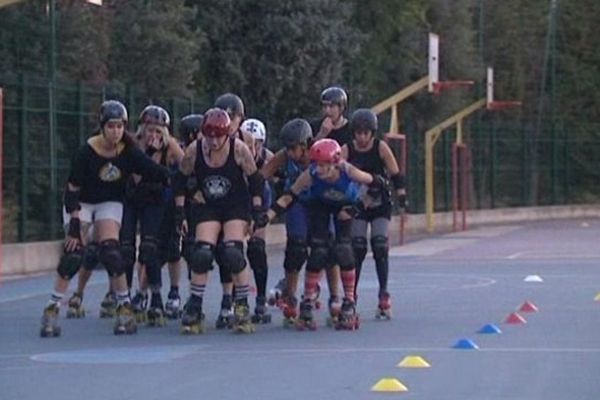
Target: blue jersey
point(342, 192)
point(292, 172)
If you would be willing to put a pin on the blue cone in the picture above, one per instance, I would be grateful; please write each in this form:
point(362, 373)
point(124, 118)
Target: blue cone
point(490, 329)
point(466, 344)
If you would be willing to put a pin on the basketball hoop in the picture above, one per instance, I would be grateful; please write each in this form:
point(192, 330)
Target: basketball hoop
point(502, 105)
point(444, 85)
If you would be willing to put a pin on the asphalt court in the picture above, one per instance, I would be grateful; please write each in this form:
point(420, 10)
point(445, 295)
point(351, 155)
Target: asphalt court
point(444, 287)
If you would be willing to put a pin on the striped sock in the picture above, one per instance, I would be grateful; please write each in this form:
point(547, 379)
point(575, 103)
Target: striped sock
point(123, 297)
point(241, 292)
point(55, 298)
point(197, 290)
point(348, 281)
point(311, 281)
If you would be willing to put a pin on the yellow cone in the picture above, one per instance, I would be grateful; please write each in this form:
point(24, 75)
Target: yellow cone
point(597, 298)
point(389, 385)
point(413, 362)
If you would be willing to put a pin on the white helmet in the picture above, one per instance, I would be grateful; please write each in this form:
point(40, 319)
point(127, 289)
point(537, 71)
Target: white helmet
point(255, 128)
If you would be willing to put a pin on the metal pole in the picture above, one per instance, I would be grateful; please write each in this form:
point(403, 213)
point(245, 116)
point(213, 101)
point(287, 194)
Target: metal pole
point(1, 177)
point(24, 136)
point(52, 120)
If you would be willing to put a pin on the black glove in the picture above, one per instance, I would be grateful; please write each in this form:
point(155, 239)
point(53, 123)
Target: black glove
point(260, 217)
point(376, 186)
point(402, 200)
point(179, 217)
point(75, 228)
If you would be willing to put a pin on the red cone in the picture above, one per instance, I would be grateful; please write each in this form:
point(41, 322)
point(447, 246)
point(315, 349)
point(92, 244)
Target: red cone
point(515, 318)
point(528, 307)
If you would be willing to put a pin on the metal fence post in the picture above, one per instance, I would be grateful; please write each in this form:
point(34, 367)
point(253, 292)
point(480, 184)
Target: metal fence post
point(24, 136)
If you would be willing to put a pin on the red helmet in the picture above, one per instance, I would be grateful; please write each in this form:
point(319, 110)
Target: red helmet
point(326, 150)
point(216, 123)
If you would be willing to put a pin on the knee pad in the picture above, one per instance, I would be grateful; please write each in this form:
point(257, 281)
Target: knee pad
point(201, 256)
point(344, 254)
point(296, 254)
point(90, 256)
point(359, 245)
point(110, 255)
point(187, 245)
point(257, 253)
point(148, 251)
point(69, 264)
point(379, 245)
point(231, 254)
point(319, 255)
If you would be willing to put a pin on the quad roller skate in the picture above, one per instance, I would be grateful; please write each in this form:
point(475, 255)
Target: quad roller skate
point(306, 319)
point(173, 305)
point(108, 307)
point(241, 318)
point(156, 312)
point(384, 308)
point(192, 319)
point(125, 321)
point(334, 310)
point(275, 297)
point(261, 316)
point(139, 304)
point(225, 317)
point(348, 318)
point(290, 311)
point(50, 326)
point(76, 309)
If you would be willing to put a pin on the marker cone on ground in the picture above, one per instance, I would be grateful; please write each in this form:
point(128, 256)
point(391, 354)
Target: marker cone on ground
point(490, 329)
point(389, 385)
point(466, 344)
point(533, 278)
point(528, 307)
point(413, 362)
point(515, 318)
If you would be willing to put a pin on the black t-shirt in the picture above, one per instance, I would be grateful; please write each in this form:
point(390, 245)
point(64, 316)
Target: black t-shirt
point(369, 161)
point(103, 179)
point(341, 135)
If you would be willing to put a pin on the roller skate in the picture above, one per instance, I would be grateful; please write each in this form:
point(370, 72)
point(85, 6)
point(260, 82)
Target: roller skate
point(241, 317)
point(125, 321)
point(384, 308)
point(50, 326)
point(225, 318)
point(275, 297)
point(156, 312)
point(139, 304)
point(334, 310)
point(290, 311)
point(306, 319)
point(173, 305)
point(348, 318)
point(76, 309)
point(192, 319)
point(261, 316)
point(108, 307)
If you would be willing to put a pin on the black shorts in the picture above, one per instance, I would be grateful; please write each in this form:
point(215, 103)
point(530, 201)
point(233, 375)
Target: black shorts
point(220, 213)
point(370, 214)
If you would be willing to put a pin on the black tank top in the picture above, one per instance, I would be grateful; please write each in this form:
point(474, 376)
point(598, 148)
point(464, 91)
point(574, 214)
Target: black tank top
point(368, 161)
point(223, 186)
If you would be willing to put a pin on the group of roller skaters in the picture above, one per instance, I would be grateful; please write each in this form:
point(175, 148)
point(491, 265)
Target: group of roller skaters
point(142, 200)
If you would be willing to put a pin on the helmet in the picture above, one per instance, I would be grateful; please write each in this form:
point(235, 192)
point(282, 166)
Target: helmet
point(154, 115)
point(335, 95)
point(296, 131)
point(255, 128)
point(190, 125)
point(326, 150)
point(216, 123)
point(231, 103)
point(112, 109)
point(363, 119)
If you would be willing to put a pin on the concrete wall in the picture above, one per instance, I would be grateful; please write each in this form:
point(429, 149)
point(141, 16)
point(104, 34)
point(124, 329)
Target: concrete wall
point(36, 257)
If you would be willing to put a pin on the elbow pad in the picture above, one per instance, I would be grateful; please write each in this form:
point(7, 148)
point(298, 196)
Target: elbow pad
point(398, 181)
point(256, 184)
point(71, 201)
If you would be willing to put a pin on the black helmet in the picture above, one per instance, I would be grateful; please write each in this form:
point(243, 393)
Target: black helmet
point(296, 131)
point(363, 119)
point(231, 103)
point(190, 126)
point(154, 115)
point(112, 109)
point(335, 95)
